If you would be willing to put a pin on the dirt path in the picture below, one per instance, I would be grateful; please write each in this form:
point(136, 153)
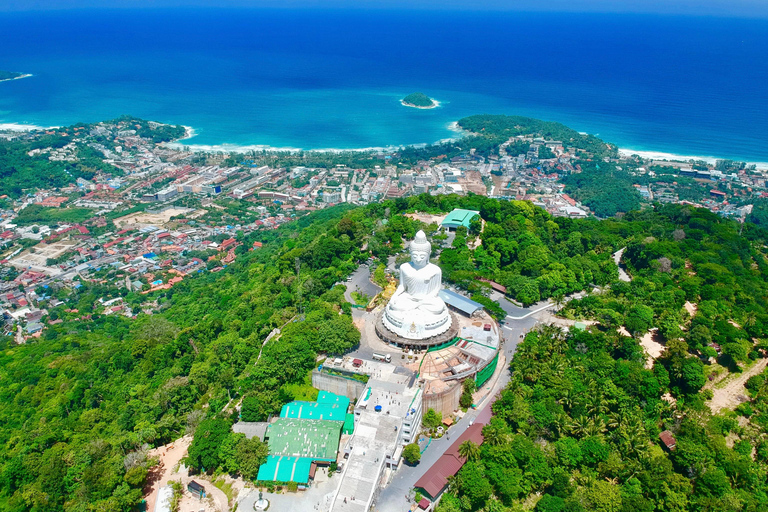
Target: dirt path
point(216, 501)
point(170, 455)
point(734, 393)
point(652, 347)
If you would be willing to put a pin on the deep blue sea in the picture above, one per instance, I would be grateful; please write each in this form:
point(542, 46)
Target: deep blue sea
point(333, 79)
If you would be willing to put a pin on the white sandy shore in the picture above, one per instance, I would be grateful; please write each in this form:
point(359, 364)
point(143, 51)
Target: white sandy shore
point(658, 155)
point(189, 133)
point(435, 104)
point(19, 127)
point(17, 77)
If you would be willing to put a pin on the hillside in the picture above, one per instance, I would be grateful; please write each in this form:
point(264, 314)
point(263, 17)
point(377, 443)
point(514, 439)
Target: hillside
point(81, 406)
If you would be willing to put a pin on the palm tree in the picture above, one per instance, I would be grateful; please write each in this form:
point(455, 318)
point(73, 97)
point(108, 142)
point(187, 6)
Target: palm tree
point(579, 426)
point(615, 420)
point(596, 405)
point(596, 427)
point(750, 319)
point(558, 300)
point(494, 436)
point(566, 400)
point(557, 366)
point(469, 450)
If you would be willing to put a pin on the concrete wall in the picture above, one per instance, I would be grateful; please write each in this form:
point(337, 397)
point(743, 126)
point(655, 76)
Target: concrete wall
point(334, 384)
point(446, 402)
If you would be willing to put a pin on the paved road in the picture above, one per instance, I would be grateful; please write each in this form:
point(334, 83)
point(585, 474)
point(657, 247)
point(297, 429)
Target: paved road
point(360, 282)
point(393, 497)
point(516, 311)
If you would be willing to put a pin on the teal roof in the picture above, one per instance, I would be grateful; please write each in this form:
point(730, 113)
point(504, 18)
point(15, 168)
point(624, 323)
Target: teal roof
point(286, 469)
point(325, 397)
point(314, 411)
point(459, 217)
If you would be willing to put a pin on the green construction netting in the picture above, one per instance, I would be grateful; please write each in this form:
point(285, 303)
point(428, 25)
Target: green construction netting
point(486, 373)
point(443, 345)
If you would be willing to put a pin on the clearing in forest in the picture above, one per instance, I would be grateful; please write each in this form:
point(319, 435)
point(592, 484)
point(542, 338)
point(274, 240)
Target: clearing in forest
point(733, 393)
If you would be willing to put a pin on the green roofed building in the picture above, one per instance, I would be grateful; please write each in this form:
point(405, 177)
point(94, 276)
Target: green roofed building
point(458, 217)
point(317, 439)
point(305, 433)
point(285, 469)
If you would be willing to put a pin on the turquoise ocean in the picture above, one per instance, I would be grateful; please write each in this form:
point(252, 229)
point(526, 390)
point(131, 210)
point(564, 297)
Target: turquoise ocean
point(332, 79)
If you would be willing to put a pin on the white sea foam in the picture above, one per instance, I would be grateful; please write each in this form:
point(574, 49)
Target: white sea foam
point(672, 157)
point(19, 127)
point(435, 104)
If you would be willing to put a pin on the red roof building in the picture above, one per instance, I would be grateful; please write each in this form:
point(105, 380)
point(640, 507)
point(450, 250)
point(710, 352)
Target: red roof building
point(52, 201)
point(668, 439)
point(435, 480)
point(494, 285)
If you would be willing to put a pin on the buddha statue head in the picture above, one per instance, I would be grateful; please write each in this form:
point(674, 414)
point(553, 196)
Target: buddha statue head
point(420, 250)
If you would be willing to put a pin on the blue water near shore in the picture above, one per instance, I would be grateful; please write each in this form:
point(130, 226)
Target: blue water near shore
point(331, 79)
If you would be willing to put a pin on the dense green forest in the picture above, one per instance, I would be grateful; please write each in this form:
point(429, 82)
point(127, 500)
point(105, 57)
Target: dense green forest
point(510, 126)
point(419, 99)
point(523, 248)
point(577, 429)
point(36, 214)
point(80, 407)
point(604, 187)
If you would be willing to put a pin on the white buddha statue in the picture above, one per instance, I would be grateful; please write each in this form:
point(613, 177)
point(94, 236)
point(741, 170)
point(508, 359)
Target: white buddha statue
point(415, 311)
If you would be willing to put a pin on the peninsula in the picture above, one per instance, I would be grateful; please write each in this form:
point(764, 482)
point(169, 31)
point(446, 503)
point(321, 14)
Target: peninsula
point(12, 75)
point(419, 100)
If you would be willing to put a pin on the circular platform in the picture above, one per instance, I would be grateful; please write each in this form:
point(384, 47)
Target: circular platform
point(390, 337)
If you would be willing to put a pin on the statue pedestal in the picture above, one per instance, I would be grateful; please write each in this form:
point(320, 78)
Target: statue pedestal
point(401, 341)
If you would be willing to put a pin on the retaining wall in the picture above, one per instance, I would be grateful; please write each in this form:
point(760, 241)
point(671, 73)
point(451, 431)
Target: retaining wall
point(334, 384)
point(445, 402)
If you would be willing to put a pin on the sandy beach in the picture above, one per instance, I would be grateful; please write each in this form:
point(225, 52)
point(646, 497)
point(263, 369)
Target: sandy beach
point(19, 127)
point(16, 78)
point(658, 155)
point(435, 104)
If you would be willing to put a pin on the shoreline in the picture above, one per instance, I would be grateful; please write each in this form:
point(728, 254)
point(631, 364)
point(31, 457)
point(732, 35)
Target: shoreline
point(21, 127)
point(674, 157)
point(435, 104)
point(452, 126)
point(190, 133)
point(26, 75)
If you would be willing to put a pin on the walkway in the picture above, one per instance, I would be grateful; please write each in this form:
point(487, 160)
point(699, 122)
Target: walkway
point(623, 276)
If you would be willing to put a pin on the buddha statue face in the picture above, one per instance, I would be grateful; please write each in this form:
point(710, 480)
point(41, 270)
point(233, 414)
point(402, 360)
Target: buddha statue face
point(419, 258)
point(420, 250)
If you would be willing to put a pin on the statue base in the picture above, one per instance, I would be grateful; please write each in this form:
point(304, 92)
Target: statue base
point(390, 337)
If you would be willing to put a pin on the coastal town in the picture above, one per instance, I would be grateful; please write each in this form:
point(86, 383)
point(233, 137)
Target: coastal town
point(161, 213)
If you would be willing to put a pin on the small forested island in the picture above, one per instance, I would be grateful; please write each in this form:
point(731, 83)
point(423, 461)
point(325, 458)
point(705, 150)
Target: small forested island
point(11, 75)
point(419, 100)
